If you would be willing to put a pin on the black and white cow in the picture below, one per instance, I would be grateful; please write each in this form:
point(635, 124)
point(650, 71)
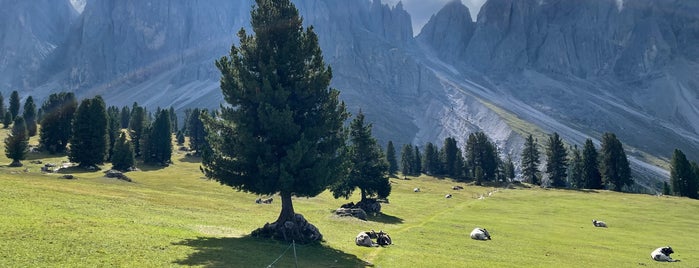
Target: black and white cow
point(662, 254)
point(480, 234)
point(597, 223)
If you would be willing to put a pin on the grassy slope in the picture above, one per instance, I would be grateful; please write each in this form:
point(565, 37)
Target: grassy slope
point(173, 216)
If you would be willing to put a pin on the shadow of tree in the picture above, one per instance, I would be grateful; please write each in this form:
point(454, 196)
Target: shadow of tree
point(384, 218)
point(191, 159)
point(253, 252)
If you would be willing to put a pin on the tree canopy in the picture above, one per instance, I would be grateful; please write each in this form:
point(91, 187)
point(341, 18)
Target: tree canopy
point(368, 170)
point(90, 141)
point(530, 161)
point(614, 166)
point(57, 116)
point(556, 161)
point(17, 142)
point(282, 130)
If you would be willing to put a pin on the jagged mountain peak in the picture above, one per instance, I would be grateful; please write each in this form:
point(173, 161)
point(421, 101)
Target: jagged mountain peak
point(449, 31)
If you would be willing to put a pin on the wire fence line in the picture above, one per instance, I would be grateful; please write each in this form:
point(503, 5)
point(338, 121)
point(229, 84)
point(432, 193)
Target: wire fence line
point(296, 261)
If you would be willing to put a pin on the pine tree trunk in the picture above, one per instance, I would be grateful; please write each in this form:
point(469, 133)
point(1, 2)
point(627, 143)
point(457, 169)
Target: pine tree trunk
point(287, 212)
point(363, 196)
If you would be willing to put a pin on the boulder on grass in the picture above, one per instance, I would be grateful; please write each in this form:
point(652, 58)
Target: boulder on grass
point(351, 212)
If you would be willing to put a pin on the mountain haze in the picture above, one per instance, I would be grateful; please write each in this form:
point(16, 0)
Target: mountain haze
point(579, 68)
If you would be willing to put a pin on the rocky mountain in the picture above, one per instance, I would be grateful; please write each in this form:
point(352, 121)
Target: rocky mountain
point(579, 68)
point(29, 32)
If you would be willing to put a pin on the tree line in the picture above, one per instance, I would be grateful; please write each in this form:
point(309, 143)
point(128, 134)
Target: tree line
point(91, 134)
point(572, 167)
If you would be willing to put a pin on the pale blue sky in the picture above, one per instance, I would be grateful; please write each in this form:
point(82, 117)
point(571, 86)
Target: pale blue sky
point(421, 10)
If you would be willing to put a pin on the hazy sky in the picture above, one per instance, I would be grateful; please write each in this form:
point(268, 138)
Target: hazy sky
point(421, 10)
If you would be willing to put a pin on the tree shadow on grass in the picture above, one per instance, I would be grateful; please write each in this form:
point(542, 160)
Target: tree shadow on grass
point(190, 159)
point(254, 252)
point(385, 218)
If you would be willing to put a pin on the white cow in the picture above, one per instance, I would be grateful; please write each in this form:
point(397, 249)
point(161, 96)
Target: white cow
point(480, 234)
point(599, 223)
point(662, 254)
point(363, 239)
point(417, 190)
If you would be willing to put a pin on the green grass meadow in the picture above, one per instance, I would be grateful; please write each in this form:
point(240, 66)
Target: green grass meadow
point(173, 216)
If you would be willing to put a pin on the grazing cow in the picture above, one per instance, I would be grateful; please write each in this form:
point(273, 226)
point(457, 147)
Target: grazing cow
point(383, 239)
point(363, 239)
point(457, 187)
point(480, 234)
point(258, 200)
point(267, 201)
point(599, 223)
point(417, 190)
point(447, 196)
point(662, 254)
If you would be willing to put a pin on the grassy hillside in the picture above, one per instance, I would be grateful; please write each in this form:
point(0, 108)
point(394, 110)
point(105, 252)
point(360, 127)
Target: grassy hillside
point(173, 216)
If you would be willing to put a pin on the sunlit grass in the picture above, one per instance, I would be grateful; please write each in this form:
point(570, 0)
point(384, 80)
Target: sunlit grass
point(173, 216)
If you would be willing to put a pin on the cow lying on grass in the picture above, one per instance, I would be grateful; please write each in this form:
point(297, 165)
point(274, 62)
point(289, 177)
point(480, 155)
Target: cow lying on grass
point(480, 234)
point(662, 254)
point(264, 201)
point(597, 223)
point(365, 239)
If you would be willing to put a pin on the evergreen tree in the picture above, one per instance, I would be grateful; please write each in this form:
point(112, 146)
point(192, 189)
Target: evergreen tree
point(7, 120)
point(180, 138)
point(695, 172)
point(614, 166)
point(90, 140)
point(666, 189)
point(113, 128)
point(125, 117)
point(29, 114)
point(138, 126)
point(530, 161)
point(575, 169)
point(480, 152)
point(173, 119)
point(391, 159)
point(14, 104)
point(431, 160)
point(368, 170)
point(17, 142)
point(417, 166)
point(158, 148)
point(509, 169)
point(3, 110)
point(682, 176)
point(590, 167)
point(407, 160)
point(557, 161)
point(58, 112)
point(449, 154)
point(283, 129)
point(196, 131)
point(123, 155)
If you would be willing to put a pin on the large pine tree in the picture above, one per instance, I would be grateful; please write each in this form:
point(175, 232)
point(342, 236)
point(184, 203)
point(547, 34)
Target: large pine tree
point(614, 166)
point(590, 167)
point(531, 161)
point(90, 140)
point(368, 170)
point(282, 131)
point(17, 142)
point(682, 176)
point(391, 159)
point(29, 114)
point(556, 161)
point(56, 120)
